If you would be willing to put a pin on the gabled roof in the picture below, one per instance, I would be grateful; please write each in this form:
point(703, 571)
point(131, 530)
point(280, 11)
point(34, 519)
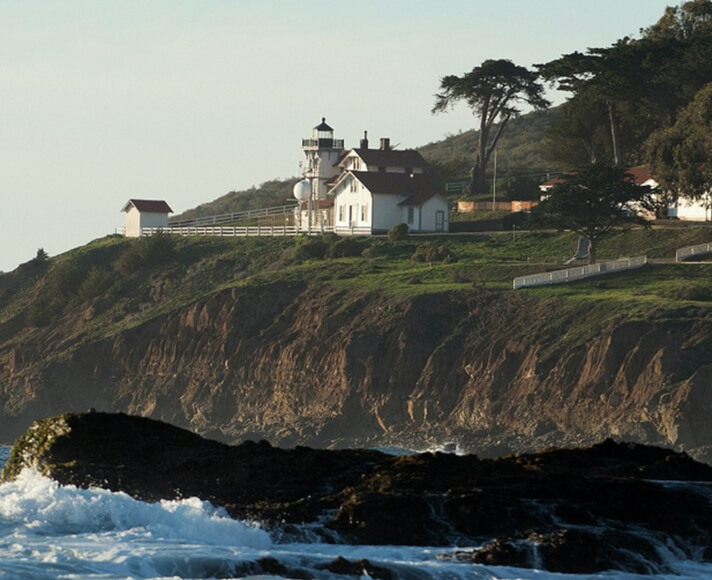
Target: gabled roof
point(391, 157)
point(148, 205)
point(641, 175)
point(418, 188)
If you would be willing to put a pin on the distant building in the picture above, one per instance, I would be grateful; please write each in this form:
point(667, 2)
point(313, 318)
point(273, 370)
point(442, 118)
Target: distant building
point(145, 213)
point(366, 191)
point(684, 207)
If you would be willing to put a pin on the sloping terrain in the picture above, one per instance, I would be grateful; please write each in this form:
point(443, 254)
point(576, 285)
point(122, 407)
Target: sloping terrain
point(274, 339)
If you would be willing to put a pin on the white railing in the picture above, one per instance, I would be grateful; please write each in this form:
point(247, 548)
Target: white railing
point(579, 272)
point(234, 231)
point(689, 251)
point(353, 230)
point(236, 216)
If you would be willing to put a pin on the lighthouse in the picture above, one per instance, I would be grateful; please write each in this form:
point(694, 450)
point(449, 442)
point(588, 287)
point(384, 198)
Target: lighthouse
point(322, 153)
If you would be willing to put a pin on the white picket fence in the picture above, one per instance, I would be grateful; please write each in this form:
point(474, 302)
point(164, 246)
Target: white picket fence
point(580, 272)
point(234, 231)
point(689, 251)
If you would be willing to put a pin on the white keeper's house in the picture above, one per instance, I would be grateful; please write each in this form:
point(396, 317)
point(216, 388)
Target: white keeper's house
point(366, 191)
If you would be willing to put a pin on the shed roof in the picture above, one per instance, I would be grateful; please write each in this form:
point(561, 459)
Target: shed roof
point(148, 206)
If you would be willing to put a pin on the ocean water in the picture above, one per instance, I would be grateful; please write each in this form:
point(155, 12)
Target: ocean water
point(49, 531)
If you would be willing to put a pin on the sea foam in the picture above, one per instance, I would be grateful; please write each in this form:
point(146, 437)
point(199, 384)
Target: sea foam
point(40, 506)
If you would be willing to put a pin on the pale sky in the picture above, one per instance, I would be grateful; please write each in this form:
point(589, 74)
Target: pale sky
point(185, 100)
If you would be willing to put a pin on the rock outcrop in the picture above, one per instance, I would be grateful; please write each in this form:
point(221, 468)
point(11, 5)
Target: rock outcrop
point(314, 365)
point(579, 511)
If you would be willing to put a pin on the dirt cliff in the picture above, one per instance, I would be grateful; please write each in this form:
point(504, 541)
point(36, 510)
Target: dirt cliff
point(296, 363)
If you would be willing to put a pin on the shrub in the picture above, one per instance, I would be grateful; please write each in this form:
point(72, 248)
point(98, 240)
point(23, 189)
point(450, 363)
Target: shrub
point(62, 282)
point(691, 291)
point(310, 247)
point(345, 248)
point(372, 252)
point(398, 232)
point(147, 252)
point(42, 309)
point(430, 252)
point(96, 283)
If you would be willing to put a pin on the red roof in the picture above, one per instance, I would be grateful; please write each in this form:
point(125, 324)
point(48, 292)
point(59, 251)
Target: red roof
point(640, 174)
point(148, 206)
point(317, 204)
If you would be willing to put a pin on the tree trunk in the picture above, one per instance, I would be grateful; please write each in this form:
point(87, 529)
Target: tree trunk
point(591, 254)
point(615, 144)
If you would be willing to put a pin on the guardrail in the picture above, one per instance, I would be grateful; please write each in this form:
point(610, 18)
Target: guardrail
point(234, 216)
point(233, 231)
point(580, 272)
point(689, 251)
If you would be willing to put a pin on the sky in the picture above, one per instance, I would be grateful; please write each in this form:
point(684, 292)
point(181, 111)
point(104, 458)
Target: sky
point(185, 100)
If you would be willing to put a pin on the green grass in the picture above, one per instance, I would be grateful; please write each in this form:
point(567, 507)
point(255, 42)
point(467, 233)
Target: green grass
point(200, 266)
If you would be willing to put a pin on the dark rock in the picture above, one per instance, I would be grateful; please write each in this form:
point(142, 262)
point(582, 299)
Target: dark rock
point(357, 568)
point(572, 551)
point(534, 505)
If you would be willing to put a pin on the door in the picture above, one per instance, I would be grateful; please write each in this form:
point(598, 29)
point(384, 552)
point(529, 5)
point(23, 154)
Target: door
point(439, 221)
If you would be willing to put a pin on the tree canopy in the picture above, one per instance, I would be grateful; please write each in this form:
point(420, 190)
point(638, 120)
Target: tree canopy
point(495, 91)
point(640, 84)
point(681, 156)
point(591, 202)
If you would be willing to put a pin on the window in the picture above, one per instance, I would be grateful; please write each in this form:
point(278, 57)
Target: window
point(342, 213)
point(364, 213)
point(411, 215)
point(353, 186)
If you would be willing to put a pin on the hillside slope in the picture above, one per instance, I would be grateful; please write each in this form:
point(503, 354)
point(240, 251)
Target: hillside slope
point(242, 339)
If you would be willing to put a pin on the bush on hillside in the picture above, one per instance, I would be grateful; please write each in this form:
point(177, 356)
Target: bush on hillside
point(431, 252)
point(96, 283)
point(147, 252)
point(346, 248)
point(398, 232)
point(687, 290)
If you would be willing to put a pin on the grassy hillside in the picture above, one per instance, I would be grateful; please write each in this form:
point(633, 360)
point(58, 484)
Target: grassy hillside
point(520, 159)
point(271, 193)
point(116, 282)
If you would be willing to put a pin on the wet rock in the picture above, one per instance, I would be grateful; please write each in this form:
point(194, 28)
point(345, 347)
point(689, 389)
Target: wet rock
point(572, 551)
point(578, 511)
point(360, 568)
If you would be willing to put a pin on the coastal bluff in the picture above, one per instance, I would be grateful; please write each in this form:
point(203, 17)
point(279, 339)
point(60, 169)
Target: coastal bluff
point(609, 506)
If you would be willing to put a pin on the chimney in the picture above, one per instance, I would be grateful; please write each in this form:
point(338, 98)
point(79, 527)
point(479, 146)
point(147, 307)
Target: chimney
point(364, 141)
point(385, 144)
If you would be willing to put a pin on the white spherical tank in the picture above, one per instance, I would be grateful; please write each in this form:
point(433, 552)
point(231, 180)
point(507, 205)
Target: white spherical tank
point(302, 190)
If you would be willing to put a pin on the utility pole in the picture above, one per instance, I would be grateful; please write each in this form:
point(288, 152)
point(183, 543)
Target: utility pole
point(494, 183)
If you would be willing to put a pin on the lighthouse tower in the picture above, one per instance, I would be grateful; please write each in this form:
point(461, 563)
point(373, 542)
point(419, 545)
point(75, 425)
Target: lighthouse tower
point(322, 155)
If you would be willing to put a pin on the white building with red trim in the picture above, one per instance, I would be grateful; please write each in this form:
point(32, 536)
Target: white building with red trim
point(145, 213)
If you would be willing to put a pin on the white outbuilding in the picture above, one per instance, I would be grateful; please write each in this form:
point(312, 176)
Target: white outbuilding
point(145, 213)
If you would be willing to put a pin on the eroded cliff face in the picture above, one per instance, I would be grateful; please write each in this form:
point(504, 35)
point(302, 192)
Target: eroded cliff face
point(300, 364)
